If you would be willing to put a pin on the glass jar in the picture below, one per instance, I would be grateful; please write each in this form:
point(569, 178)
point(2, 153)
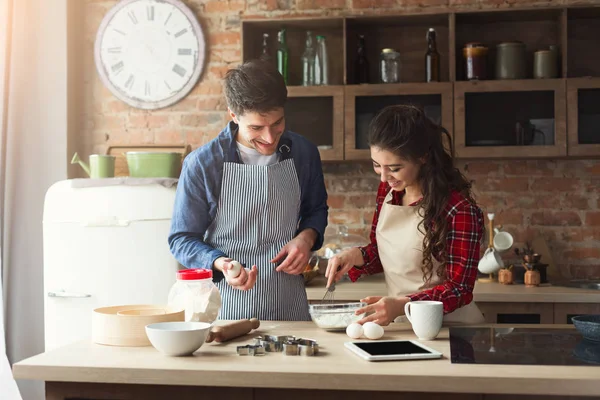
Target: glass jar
point(195, 292)
point(475, 55)
point(389, 66)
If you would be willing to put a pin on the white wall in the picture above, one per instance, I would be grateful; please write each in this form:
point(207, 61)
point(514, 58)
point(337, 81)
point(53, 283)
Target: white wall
point(36, 159)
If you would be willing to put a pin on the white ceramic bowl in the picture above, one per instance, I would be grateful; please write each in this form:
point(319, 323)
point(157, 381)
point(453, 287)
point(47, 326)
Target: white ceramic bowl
point(177, 338)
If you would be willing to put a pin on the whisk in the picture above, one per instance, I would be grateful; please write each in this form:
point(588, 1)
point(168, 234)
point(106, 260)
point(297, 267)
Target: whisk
point(329, 294)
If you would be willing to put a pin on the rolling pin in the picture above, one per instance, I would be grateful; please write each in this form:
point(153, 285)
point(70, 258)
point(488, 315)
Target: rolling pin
point(233, 330)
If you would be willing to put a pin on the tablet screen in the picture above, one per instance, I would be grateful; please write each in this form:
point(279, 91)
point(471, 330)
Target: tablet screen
point(385, 348)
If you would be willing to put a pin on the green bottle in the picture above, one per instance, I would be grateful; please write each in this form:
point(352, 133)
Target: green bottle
point(282, 55)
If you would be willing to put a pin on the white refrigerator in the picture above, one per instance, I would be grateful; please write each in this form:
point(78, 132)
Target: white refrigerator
point(104, 245)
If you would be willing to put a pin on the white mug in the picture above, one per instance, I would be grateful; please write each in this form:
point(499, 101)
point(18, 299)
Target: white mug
point(503, 241)
point(490, 262)
point(425, 317)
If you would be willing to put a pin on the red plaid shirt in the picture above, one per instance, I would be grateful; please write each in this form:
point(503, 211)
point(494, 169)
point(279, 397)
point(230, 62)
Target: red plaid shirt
point(465, 231)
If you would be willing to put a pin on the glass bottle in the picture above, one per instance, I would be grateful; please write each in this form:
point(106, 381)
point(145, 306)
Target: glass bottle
point(389, 70)
point(361, 68)
point(265, 55)
point(321, 65)
point(308, 62)
point(432, 58)
point(282, 55)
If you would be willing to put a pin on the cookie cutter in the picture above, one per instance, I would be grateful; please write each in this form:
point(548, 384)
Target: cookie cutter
point(308, 347)
point(272, 343)
point(291, 349)
point(250, 350)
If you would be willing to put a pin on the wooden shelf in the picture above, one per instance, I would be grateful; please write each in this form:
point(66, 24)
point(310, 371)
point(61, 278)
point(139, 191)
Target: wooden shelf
point(328, 115)
point(405, 34)
point(537, 29)
point(589, 111)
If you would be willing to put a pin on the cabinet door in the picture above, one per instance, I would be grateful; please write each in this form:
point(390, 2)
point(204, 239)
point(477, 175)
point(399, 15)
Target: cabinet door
point(363, 102)
point(563, 312)
point(317, 112)
point(517, 313)
point(510, 119)
point(583, 102)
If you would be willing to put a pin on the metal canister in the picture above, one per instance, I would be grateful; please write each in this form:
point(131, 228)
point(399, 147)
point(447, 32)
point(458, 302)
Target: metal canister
point(545, 64)
point(511, 61)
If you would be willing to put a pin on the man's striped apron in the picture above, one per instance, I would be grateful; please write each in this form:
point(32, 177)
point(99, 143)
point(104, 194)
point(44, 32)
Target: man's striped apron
point(258, 214)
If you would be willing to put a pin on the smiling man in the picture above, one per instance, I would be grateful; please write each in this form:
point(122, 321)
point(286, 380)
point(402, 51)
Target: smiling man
point(255, 195)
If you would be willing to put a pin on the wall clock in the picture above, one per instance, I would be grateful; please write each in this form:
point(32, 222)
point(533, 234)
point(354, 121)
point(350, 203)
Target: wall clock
point(150, 53)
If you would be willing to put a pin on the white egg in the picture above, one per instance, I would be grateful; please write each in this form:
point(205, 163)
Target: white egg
point(236, 269)
point(372, 330)
point(354, 330)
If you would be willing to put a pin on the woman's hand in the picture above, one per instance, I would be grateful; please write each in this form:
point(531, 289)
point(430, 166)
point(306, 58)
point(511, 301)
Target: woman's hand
point(341, 263)
point(384, 309)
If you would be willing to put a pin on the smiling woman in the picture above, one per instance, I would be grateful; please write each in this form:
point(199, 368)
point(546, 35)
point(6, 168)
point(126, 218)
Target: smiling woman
point(426, 229)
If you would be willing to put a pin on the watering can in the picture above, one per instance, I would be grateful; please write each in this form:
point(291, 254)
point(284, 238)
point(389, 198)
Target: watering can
point(101, 166)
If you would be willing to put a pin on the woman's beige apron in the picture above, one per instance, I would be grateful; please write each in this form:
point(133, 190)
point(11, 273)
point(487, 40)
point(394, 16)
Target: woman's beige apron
point(400, 247)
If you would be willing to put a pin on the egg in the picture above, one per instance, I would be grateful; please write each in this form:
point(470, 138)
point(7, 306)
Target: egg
point(236, 269)
point(372, 330)
point(354, 330)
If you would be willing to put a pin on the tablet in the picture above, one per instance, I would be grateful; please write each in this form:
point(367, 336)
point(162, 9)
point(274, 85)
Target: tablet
point(389, 350)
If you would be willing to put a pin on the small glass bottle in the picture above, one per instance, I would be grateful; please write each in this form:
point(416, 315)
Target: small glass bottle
point(321, 64)
point(389, 70)
point(361, 68)
point(308, 62)
point(282, 55)
point(432, 58)
point(265, 55)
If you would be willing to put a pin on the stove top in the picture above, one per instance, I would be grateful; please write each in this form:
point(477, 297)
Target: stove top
point(524, 346)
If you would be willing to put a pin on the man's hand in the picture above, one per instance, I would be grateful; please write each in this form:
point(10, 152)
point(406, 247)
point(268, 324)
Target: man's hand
point(296, 253)
point(244, 281)
point(384, 309)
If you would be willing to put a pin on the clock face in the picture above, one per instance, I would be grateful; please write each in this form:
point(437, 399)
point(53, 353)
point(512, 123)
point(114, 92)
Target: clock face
point(150, 53)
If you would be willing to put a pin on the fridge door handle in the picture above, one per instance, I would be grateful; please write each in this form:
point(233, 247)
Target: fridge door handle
point(62, 293)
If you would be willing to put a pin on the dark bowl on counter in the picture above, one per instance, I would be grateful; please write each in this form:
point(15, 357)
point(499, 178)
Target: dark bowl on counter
point(588, 326)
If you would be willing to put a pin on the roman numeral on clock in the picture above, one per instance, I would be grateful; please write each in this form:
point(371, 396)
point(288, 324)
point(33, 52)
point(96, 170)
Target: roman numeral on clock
point(179, 70)
point(181, 32)
point(150, 13)
point(130, 81)
point(132, 17)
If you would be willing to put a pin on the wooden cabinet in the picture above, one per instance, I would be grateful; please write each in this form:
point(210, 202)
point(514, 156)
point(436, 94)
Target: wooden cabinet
point(517, 313)
point(318, 113)
point(563, 312)
point(362, 102)
point(516, 118)
point(583, 101)
point(525, 118)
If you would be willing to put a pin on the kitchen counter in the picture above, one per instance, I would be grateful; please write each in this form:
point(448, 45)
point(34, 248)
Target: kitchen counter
point(87, 370)
point(484, 292)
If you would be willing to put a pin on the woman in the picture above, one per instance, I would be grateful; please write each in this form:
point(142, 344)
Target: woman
point(426, 230)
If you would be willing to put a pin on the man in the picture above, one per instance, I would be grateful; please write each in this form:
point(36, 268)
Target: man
point(255, 194)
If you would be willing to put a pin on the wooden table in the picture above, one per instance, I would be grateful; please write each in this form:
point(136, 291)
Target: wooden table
point(85, 370)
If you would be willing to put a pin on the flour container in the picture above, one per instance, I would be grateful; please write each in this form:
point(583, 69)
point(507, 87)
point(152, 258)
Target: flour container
point(195, 292)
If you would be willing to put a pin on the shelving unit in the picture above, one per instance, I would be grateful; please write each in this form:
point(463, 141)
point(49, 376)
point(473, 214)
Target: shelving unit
point(528, 118)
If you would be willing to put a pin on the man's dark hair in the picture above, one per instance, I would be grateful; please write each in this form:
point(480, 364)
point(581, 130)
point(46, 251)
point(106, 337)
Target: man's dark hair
point(254, 86)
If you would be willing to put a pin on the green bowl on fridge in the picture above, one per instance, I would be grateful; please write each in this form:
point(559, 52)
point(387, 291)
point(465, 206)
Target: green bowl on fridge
point(147, 164)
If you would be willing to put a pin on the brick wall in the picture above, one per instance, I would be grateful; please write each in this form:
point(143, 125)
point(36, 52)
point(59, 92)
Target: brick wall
point(557, 199)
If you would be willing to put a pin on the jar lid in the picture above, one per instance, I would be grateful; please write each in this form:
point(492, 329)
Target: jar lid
point(511, 44)
point(387, 50)
point(475, 44)
point(194, 274)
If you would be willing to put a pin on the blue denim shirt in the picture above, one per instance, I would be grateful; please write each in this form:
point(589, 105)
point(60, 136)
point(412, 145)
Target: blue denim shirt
point(199, 189)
